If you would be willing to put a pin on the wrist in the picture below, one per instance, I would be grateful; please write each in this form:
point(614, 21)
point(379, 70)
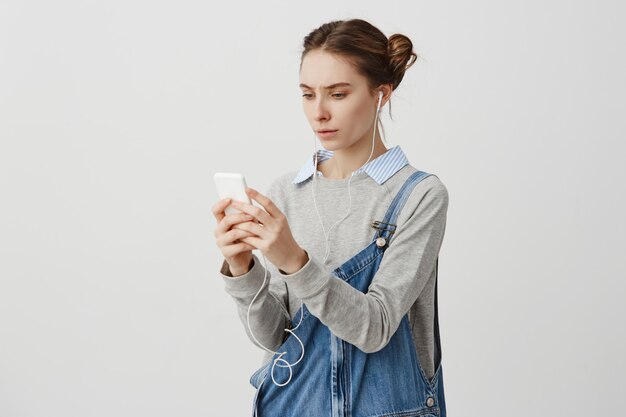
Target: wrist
point(297, 264)
point(235, 272)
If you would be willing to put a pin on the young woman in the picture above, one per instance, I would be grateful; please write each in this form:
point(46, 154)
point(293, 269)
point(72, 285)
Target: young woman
point(349, 318)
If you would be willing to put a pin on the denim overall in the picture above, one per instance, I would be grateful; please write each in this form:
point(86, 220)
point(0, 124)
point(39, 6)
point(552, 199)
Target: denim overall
point(335, 378)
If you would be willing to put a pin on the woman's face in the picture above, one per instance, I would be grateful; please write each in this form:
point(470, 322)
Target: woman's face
point(336, 97)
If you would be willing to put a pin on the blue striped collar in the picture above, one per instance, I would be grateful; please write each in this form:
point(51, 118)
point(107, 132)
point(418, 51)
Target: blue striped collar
point(380, 168)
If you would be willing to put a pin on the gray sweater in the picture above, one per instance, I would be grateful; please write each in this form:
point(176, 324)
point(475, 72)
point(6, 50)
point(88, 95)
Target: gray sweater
point(404, 282)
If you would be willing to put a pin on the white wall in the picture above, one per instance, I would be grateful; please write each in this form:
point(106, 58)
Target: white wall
point(115, 115)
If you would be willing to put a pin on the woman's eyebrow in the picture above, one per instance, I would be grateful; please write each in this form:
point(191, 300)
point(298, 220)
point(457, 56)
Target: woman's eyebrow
point(328, 87)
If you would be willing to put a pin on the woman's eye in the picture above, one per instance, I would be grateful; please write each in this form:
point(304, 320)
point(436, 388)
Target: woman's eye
point(335, 95)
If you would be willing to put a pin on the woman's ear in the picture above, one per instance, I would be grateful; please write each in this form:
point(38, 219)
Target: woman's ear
point(386, 89)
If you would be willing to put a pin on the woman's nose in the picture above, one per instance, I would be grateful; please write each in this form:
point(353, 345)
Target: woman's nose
point(321, 111)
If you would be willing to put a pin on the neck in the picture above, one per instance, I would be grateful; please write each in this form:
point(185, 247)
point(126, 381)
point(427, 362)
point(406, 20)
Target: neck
point(347, 160)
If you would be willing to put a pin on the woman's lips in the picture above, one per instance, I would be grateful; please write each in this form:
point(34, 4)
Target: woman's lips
point(326, 133)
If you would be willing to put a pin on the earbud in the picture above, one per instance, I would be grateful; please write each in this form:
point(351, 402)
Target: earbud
point(380, 99)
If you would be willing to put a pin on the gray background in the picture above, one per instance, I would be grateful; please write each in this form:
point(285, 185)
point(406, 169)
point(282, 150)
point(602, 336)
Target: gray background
point(114, 115)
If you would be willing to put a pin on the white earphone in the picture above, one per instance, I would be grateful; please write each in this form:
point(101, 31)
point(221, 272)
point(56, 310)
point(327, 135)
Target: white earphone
point(326, 238)
point(380, 98)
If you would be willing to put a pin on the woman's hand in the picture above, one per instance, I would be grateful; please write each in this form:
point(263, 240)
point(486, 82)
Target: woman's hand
point(271, 235)
point(238, 254)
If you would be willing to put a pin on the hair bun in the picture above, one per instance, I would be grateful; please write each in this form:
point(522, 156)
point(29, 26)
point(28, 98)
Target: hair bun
point(401, 56)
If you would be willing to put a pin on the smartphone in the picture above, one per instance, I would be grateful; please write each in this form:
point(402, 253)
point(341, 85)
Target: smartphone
point(231, 185)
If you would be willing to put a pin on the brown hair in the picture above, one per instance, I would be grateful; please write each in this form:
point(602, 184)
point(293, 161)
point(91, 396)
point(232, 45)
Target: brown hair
point(380, 60)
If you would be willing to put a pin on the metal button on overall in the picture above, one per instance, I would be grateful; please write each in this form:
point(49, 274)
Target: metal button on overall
point(430, 401)
point(380, 242)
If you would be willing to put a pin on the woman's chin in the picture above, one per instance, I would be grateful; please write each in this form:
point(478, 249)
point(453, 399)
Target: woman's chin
point(329, 141)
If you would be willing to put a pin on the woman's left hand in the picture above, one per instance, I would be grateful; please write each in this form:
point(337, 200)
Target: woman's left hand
point(274, 238)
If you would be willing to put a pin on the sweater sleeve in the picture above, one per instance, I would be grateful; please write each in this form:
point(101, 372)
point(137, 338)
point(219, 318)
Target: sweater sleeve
point(402, 274)
point(269, 314)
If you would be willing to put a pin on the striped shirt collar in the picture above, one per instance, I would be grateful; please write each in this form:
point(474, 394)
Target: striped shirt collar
point(380, 168)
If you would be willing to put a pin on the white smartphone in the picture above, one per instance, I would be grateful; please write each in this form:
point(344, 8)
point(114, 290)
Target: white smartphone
point(231, 185)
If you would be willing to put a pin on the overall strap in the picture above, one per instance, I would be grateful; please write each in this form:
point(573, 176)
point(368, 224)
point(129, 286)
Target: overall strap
point(437, 355)
point(387, 227)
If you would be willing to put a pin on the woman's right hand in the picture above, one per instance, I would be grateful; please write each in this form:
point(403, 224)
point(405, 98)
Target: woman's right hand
point(237, 254)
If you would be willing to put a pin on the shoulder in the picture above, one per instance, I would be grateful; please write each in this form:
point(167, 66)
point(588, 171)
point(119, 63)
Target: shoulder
point(431, 185)
point(429, 196)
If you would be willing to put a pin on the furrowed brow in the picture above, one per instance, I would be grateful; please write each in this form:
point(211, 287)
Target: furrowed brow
point(328, 87)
